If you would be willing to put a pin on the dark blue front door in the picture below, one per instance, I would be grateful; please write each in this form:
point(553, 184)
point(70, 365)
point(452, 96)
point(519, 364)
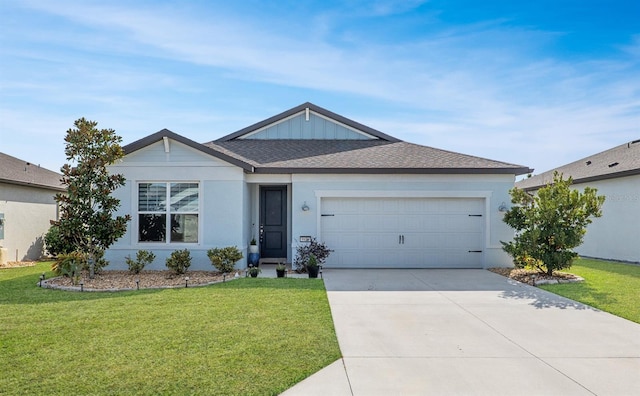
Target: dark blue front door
point(273, 221)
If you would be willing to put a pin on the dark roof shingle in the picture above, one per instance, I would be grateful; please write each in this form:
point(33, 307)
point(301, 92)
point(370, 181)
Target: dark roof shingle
point(620, 161)
point(17, 171)
point(355, 156)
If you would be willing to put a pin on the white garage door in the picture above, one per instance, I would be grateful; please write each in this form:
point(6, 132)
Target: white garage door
point(403, 232)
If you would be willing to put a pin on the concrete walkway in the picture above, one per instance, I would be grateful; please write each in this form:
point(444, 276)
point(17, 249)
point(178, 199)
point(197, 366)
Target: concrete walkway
point(469, 332)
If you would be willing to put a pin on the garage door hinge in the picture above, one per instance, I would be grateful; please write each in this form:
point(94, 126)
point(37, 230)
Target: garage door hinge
point(324, 215)
point(475, 251)
point(475, 215)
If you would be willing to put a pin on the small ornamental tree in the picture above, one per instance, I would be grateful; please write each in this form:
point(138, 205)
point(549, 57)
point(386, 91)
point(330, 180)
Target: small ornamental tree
point(550, 224)
point(86, 221)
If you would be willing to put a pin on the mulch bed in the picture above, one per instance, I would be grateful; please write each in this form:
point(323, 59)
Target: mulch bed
point(18, 264)
point(532, 277)
point(122, 280)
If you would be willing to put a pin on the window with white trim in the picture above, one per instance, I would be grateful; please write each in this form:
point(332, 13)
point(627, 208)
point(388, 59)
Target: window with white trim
point(168, 212)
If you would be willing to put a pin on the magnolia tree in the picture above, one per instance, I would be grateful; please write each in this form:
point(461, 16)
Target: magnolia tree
point(86, 223)
point(550, 224)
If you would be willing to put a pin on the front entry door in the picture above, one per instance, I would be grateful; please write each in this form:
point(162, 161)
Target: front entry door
point(273, 221)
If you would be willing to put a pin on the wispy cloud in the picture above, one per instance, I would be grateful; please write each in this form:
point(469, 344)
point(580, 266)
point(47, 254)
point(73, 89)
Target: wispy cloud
point(486, 88)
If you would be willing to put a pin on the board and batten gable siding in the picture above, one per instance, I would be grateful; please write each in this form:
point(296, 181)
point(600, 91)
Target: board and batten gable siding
point(493, 190)
point(317, 128)
point(221, 201)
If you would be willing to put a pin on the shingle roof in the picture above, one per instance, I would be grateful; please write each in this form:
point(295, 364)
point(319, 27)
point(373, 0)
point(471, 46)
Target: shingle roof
point(355, 156)
point(381, 154)
point(17, 171)
point(620, 161)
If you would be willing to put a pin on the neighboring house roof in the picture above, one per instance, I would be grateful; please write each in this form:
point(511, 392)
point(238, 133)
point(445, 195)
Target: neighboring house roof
point(360, 149)
point(17, 171)
point(620, 161)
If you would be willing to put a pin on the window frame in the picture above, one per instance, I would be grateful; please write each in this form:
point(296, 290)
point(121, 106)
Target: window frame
point(168, 212)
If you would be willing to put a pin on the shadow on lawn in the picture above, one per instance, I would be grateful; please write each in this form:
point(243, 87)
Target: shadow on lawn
point(618, 268)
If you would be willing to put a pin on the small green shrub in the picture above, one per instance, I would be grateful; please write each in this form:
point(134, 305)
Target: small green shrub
point(224, 259)
point(304, 252)
point(70, 265)
point(143, 258)
point(55, 243)
point(179, 261)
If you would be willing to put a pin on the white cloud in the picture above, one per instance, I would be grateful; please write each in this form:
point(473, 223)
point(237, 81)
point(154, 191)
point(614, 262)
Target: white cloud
point(481, 88)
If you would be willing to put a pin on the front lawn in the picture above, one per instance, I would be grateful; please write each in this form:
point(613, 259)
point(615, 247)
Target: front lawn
point(609, 286)
point(248, 336)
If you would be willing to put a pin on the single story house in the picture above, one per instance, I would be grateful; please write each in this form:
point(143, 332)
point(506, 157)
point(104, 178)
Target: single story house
point(377, 201)
point(616, 175)
point(27, 206)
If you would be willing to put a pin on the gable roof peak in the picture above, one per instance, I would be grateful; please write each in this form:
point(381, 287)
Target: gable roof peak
point(308, 107)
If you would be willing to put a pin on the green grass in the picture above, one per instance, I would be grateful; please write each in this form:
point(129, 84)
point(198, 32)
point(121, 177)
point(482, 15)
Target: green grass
point(608, 286)
point(248, 336)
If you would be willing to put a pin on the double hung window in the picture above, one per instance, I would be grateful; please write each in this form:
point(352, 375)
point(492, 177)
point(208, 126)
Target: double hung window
point(168, 212)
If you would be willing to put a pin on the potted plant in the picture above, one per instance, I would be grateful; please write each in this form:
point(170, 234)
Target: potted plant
point(254, 271)
point(304, 252)
point(280, 270)
point(253, 246)
point(312, 266)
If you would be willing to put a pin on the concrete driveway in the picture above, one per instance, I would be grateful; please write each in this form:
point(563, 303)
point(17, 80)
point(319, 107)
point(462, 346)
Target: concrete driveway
point(469, 332)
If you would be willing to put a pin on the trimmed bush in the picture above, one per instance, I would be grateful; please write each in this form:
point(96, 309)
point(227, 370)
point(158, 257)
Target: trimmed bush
point(224, 259)
point(143, 258)
point(179, 261)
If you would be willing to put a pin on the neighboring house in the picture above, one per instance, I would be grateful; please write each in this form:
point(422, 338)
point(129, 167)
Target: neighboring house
point(27, 206)
point(616, 175)
point(375, 200)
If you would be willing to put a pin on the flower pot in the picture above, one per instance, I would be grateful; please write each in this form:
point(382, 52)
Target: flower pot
point(280, 273)
point(254, 259)
point(254, 249)
point(313, 271)
point(253, 274)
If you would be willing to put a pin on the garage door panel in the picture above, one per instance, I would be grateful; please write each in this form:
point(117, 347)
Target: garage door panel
point(436, 232)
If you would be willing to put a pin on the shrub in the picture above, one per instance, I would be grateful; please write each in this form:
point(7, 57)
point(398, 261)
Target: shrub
point(224, 259)
point(179, 261)
point(304, 253)
point(143, 258)
point(55, 243)
point(70, 265)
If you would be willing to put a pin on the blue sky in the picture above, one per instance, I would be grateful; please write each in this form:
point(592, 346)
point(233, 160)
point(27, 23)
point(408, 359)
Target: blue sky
point(537, 83)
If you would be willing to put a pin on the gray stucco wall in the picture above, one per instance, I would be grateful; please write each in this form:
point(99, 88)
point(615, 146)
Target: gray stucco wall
point(27, 215)
point(222, 203)
point(615, 235)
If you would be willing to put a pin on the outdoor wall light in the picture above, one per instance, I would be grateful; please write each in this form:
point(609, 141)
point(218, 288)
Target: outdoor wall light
point(502, 207)
point(305, 207)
